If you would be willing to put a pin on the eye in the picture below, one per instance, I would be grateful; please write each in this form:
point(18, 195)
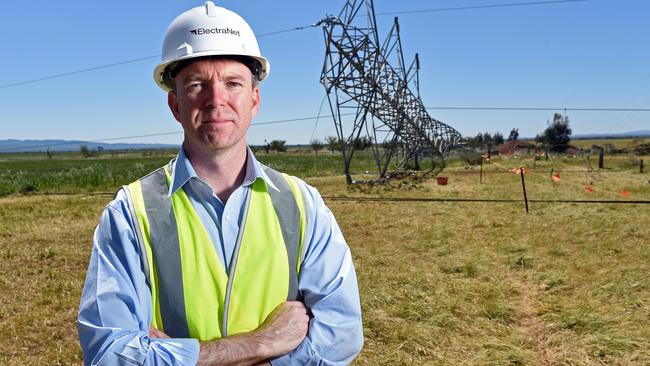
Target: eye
point(234, 84)
point(194, 86)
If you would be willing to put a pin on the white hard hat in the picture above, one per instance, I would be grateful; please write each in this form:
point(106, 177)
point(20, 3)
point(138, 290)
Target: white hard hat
point(208, 30)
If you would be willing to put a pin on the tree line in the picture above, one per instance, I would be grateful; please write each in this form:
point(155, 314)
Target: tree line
point(556, 137)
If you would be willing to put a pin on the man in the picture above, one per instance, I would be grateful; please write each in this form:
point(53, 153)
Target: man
point(216, 259)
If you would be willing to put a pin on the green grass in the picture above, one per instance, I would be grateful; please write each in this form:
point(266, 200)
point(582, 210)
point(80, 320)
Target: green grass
point(68, 173)
point(441, 283)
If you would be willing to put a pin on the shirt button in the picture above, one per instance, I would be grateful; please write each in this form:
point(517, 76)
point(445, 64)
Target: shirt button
point(227, 217)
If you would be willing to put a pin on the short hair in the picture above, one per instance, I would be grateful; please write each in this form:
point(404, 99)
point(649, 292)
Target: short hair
point(174, 68)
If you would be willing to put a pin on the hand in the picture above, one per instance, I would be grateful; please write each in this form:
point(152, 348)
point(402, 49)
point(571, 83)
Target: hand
point(286, 327)
point(282, 332)
point(155, 333)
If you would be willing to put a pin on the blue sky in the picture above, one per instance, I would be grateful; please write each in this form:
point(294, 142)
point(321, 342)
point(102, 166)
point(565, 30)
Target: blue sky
point(591, 54)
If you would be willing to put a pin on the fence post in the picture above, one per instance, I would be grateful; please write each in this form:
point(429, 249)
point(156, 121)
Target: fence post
point(481, 176)
point(601, 159)
point(523, 185)
point(641, 166)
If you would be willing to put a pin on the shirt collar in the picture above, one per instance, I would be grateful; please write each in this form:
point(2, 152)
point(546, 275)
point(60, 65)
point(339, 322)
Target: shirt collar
point(182, 171)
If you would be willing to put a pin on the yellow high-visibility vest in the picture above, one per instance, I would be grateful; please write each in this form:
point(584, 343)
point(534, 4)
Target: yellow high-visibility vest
point(192, 295)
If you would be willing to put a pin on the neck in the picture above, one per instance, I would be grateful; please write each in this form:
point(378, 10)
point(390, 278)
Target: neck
point(223, 170)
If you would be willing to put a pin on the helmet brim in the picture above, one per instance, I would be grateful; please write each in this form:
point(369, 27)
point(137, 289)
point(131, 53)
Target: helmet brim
point(160, 70)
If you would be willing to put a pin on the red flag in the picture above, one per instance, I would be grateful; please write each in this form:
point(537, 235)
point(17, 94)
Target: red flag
point(625, 194)
point(589, 189)
point(556, 177)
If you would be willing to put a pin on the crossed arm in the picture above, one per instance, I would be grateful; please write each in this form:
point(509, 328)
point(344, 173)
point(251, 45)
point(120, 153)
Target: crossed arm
point(281, 333)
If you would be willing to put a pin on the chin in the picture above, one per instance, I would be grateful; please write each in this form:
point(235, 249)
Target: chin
point(216, 143)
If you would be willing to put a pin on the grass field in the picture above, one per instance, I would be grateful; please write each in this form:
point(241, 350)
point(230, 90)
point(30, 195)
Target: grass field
point(630, 143)
point(442, 283)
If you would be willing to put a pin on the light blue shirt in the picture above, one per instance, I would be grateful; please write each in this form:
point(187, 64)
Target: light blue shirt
point(115, 310)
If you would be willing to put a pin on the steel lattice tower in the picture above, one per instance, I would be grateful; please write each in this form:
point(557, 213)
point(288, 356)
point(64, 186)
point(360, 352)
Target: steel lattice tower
point(370, 90)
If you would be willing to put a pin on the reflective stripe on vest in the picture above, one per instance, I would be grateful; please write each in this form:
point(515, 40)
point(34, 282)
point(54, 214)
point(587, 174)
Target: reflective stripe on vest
point(193, 296)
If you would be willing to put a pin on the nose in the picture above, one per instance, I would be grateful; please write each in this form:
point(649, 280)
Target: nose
point(215, 95)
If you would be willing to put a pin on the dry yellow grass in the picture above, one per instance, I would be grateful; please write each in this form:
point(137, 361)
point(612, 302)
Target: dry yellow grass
point(479, 285)
point(44, 255)
point(628, 143)
point(441, 283)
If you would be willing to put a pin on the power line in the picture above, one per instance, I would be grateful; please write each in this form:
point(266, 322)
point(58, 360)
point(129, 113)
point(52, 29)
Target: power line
point(287, 30)
point(543, 109)
point(293, 29)
point(296, 119)
point(329, 116)
point(100, 67)
point(154, 134)
point(55, 76)
point(89, 141)
point(474, 7)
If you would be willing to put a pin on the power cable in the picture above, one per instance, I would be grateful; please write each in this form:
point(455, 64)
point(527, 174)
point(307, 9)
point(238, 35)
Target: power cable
point(13, 148)
point(154, 134)
point(288, 30)
point(543, 109)
point(55, 76)
point(293, 29)
point(313, 131)
point(474, 7)
point(100, 67)
point(329, 116)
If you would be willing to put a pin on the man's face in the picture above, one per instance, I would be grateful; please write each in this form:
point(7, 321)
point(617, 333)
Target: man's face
point(215, 101)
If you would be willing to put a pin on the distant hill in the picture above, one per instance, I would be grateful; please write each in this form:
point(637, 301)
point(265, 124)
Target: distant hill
point(626, 135)
point(13, 146)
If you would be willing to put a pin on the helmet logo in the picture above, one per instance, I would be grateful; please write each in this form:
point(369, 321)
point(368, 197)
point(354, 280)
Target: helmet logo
point(202, 31)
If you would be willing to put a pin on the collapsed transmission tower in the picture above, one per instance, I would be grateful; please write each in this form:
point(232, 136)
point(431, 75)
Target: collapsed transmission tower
point(369, 91)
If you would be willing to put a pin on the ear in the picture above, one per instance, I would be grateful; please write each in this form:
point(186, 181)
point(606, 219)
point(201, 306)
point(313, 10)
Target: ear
point(173, 105)
point(255, 101)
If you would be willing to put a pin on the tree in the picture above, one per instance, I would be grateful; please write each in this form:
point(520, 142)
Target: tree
point(362, 143)
point(487, 138)
point(558, 134)
point(86, 152)
point(478, 140)
point(498, 138)
point(317, 145)
point(643, 149)
point(514, 135)
point(332, 143)
point(278, 145)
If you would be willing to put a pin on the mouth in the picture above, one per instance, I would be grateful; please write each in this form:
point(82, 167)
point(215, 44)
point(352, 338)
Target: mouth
point(216, 121)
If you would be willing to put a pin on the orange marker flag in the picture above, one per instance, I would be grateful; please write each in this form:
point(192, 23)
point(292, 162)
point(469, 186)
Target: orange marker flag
point(519, 170)
point(625, 194)
point(589, 189)
point(556, 177)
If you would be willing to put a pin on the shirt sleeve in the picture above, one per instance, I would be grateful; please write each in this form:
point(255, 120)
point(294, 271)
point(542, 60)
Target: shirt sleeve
point(115, 308)
point(329, 288)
